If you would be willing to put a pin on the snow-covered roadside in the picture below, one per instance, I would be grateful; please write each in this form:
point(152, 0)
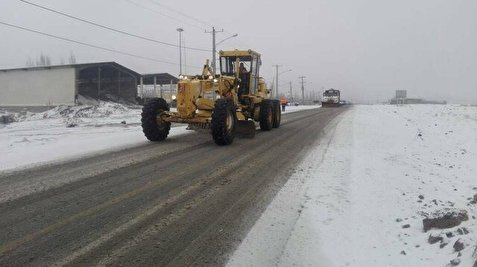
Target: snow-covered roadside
point(360, 200)
point(65, 133)
point(264, 244)
point(290, 109)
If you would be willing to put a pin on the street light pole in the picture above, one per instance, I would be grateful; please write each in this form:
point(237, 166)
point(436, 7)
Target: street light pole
point(214, 49)
point(276, 80)
point(180, 30)
point(276, 77)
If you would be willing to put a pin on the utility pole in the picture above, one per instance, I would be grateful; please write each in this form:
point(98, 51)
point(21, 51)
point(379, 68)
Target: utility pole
point(213, 47)
point(276, 79)
point(291, 92)
point(320, 93)
point(302, 78)
point(185, 55)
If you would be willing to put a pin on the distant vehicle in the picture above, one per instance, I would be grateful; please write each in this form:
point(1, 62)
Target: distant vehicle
point(331, 98)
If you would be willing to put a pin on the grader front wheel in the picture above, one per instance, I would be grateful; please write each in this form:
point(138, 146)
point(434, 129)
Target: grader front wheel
point(153, 127)
point(223, 122)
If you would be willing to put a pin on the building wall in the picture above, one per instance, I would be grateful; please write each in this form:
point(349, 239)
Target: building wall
point(37, 87)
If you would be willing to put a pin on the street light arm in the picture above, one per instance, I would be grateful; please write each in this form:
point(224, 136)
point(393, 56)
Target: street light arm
point(285, 71)
point(235, 35)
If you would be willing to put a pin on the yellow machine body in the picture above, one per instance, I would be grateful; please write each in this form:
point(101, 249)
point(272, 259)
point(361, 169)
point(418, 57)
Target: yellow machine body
point(196, 94)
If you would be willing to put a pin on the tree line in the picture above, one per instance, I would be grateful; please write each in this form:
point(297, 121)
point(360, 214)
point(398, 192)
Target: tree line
point(45, 60)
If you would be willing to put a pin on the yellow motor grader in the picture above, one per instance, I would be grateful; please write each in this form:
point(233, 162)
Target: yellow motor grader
point(224, 104)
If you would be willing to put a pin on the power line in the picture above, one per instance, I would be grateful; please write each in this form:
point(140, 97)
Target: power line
point(90, 45)
point(205, 23)
point(162, 14)
point(181, 13)
point(109, 28)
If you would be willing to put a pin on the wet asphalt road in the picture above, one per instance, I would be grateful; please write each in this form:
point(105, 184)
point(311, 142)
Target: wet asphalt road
point(182, 202)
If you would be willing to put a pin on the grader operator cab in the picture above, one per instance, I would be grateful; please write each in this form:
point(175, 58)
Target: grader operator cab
point(224, 104)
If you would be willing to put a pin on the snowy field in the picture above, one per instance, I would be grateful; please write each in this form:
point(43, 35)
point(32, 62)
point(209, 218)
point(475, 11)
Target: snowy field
point(360, 196)
point(65, 133)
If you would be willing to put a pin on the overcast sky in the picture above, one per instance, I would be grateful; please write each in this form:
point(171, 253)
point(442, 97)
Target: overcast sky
point(366, 48)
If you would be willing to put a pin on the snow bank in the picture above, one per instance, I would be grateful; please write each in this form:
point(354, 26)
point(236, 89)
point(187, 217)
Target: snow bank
point(290, 109)
point(384, 169)
point(67, 132)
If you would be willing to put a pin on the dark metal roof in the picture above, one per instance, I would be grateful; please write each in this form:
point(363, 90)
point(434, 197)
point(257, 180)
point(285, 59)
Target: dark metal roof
point(161, 78)
point(77, 66)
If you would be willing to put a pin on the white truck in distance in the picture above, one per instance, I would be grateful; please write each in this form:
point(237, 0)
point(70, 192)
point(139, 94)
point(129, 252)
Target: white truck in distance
point(331, 98)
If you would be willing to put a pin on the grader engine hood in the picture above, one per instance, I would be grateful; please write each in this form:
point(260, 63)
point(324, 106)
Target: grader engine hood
point(200, 93)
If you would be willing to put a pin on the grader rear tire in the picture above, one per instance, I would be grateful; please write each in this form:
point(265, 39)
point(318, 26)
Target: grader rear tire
point(154, 129)
point(266, 115)
point(277, 114)
point(223, 123)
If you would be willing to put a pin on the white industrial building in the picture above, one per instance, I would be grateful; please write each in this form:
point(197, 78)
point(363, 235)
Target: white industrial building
point(60, 85)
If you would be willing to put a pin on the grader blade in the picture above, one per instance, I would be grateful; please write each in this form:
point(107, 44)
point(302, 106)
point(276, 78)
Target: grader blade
point(245, 129)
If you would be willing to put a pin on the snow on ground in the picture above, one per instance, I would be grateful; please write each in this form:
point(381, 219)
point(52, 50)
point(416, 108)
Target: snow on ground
point(67, 132)
point(290, 109)
point(359, 197)
point(64, 133)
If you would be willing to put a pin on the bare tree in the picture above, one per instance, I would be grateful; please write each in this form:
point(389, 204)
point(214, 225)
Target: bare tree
point(72, 59)
point(43, 60)
point(29, 62)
